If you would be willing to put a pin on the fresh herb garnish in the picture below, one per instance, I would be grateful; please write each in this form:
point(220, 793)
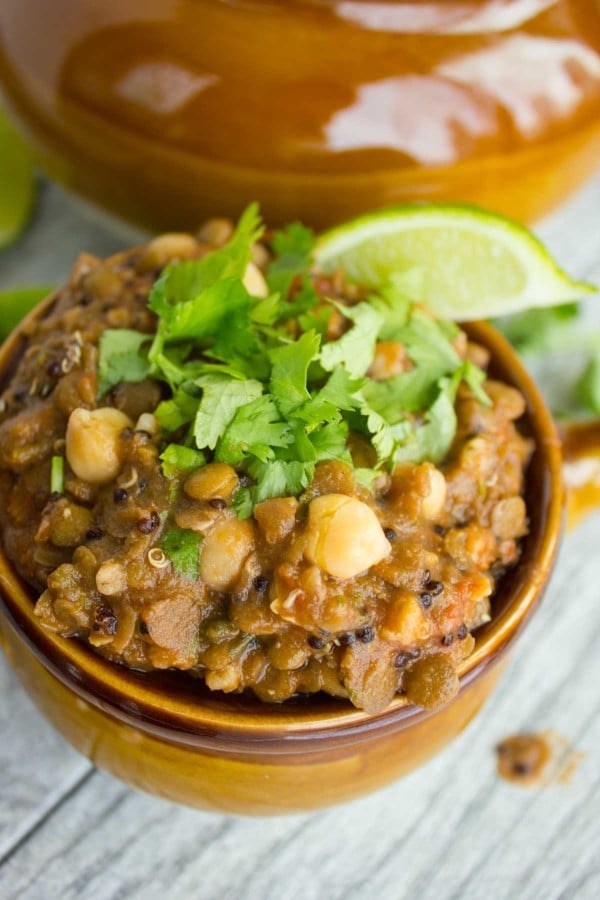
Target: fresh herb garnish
point(247, 390)
point(57, 475)
point(556, 338)
point(121, 359)
point(177, 458)
point(588, 386)
point(183, 549)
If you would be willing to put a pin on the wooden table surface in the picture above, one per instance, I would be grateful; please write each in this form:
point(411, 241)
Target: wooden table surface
point(450, 830)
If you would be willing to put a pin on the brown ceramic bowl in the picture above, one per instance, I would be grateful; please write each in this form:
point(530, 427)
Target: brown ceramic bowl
point(167, 734)
point(322, 108)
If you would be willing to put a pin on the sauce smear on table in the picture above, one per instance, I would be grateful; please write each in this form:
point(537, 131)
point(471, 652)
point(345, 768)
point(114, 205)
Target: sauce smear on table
point(581, 451)
point(523, 758)
point(537, 759)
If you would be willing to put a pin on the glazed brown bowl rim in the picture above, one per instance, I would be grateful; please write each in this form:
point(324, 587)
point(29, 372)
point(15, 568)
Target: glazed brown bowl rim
point(200, 718)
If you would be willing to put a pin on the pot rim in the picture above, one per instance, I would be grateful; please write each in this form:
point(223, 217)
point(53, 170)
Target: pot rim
point(188, 713)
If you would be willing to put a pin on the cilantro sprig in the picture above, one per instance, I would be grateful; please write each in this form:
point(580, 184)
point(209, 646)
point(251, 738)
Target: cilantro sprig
point(558, 339)
point(183, 549)
point(258, 383)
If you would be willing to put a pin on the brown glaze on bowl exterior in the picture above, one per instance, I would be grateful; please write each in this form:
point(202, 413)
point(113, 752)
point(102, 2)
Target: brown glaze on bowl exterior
point(367, 104)
point(167, 734)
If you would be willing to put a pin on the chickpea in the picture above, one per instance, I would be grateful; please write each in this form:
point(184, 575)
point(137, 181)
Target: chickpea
point(254, 281)
point(224, 551)
point(216, 232)
point(260, 255)
point(509, 518)
point(149, 423)
point(93, 443)
point(165, 248)
point(211, 481)
point(111, 578)
point(344, 536)
point(434, 499)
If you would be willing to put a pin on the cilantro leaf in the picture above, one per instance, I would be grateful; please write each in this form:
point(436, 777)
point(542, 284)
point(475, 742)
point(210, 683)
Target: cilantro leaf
point(381, 434)
point(432, 440)
point(410, 391)
point(394, 307)
point(295, 240)
point(355, 348)
point(203, 316)
point(366, 477)
point(222, 396)
point(255, 430)
point(289, 373)
point(183, 282)
point(183, 549)
point(293, 247)
point(475, 378)
point(177, 458)
point(121, 358)
point(341, 390)
point(330, 442)
point(588, 386)
point(536, 330)
point(426, 343)
point(279, 478)
point(180, 410)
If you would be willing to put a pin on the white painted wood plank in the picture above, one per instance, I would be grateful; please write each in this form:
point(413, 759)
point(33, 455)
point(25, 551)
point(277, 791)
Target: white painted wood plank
point(450, 829)
point(37, 768)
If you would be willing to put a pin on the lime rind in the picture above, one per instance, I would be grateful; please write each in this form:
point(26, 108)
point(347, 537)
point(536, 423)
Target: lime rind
point(474, 263)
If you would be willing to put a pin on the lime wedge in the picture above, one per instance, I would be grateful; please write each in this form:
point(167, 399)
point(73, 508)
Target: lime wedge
point(17, 183)
point(468, 263)
point(16, 303)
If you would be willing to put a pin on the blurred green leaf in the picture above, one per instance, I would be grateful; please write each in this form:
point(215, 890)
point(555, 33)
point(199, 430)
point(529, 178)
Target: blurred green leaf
point(17, 183)
point(16, 303)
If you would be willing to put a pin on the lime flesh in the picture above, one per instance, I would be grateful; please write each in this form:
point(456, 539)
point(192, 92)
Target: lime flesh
point(462, 261)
